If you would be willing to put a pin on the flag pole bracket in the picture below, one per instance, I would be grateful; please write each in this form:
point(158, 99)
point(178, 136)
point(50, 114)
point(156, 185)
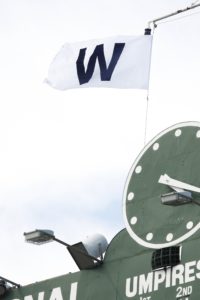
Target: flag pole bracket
point(170, 15)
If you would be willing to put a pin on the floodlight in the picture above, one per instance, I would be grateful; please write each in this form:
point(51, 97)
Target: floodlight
point(39, 236)
point(84, 254)
point(176, 198)
point(166, 257)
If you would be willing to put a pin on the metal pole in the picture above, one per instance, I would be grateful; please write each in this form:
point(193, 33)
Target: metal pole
point(172, 14)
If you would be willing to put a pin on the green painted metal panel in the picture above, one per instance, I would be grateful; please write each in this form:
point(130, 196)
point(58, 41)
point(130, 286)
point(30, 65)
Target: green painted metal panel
point(127, 273)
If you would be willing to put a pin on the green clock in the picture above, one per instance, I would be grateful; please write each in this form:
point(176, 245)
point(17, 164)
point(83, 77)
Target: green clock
point(168, 165)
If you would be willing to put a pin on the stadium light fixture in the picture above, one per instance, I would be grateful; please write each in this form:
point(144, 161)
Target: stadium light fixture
point(176, 198)
point(78, 251)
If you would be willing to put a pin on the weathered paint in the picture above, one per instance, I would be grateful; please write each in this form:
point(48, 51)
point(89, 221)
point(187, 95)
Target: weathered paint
point(126, 273)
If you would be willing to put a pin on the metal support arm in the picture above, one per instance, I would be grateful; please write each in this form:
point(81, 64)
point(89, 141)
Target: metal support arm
point(172, 14)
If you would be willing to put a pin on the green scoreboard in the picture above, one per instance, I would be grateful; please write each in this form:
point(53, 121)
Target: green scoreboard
point(157, 255)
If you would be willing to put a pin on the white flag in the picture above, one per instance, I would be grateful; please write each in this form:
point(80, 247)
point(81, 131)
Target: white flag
point(118, 62)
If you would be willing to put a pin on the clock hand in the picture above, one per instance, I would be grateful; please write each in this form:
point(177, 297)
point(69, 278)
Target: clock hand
point(165, 179)
point(177, 185)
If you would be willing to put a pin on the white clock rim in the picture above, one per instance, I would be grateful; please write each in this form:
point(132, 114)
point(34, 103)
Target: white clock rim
point(128, 227)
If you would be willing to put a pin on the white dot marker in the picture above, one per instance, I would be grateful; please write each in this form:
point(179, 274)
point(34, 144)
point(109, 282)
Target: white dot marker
point(156, 146)
point(138, 169)
point(130, 196)
point(198, 134)
point(149, 236)
point(133, 220)
point(169, 237)
point(178, 132)
point(189, 225)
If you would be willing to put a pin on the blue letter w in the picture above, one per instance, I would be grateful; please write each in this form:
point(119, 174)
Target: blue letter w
point(105, 72)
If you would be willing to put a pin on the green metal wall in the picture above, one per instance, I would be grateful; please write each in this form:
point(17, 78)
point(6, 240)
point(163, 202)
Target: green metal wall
point(125, 274)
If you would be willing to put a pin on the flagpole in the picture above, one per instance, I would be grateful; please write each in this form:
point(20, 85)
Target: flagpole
point(172, 14)
point(147, 31)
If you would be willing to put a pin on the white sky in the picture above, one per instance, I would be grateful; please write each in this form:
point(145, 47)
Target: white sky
point(65, 156)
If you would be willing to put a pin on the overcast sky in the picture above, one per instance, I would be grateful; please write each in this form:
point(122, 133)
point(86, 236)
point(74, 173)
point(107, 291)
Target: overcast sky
point(65, 156)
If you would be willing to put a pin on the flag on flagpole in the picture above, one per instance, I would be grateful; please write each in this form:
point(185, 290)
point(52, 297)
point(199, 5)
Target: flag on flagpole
point(115, 62)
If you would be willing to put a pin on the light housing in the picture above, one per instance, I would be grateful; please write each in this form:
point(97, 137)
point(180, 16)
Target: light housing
point(39, 237)
point(176, 198)
point(84, 252)
point(81, 257)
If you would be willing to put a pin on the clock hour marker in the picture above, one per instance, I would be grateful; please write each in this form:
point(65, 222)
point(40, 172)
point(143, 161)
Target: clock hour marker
point(198, 134)
point(138, 169)
point(156, 146)
point(130, 196)
point(149, 236)
point(133, 220)
point(189, 225)
point(178, 132)
point(169, 237)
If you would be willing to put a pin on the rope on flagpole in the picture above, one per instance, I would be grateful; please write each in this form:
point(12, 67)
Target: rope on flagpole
point(146, 118)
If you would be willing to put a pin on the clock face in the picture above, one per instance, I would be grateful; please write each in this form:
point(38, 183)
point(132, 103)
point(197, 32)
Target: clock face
point(175, 152)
